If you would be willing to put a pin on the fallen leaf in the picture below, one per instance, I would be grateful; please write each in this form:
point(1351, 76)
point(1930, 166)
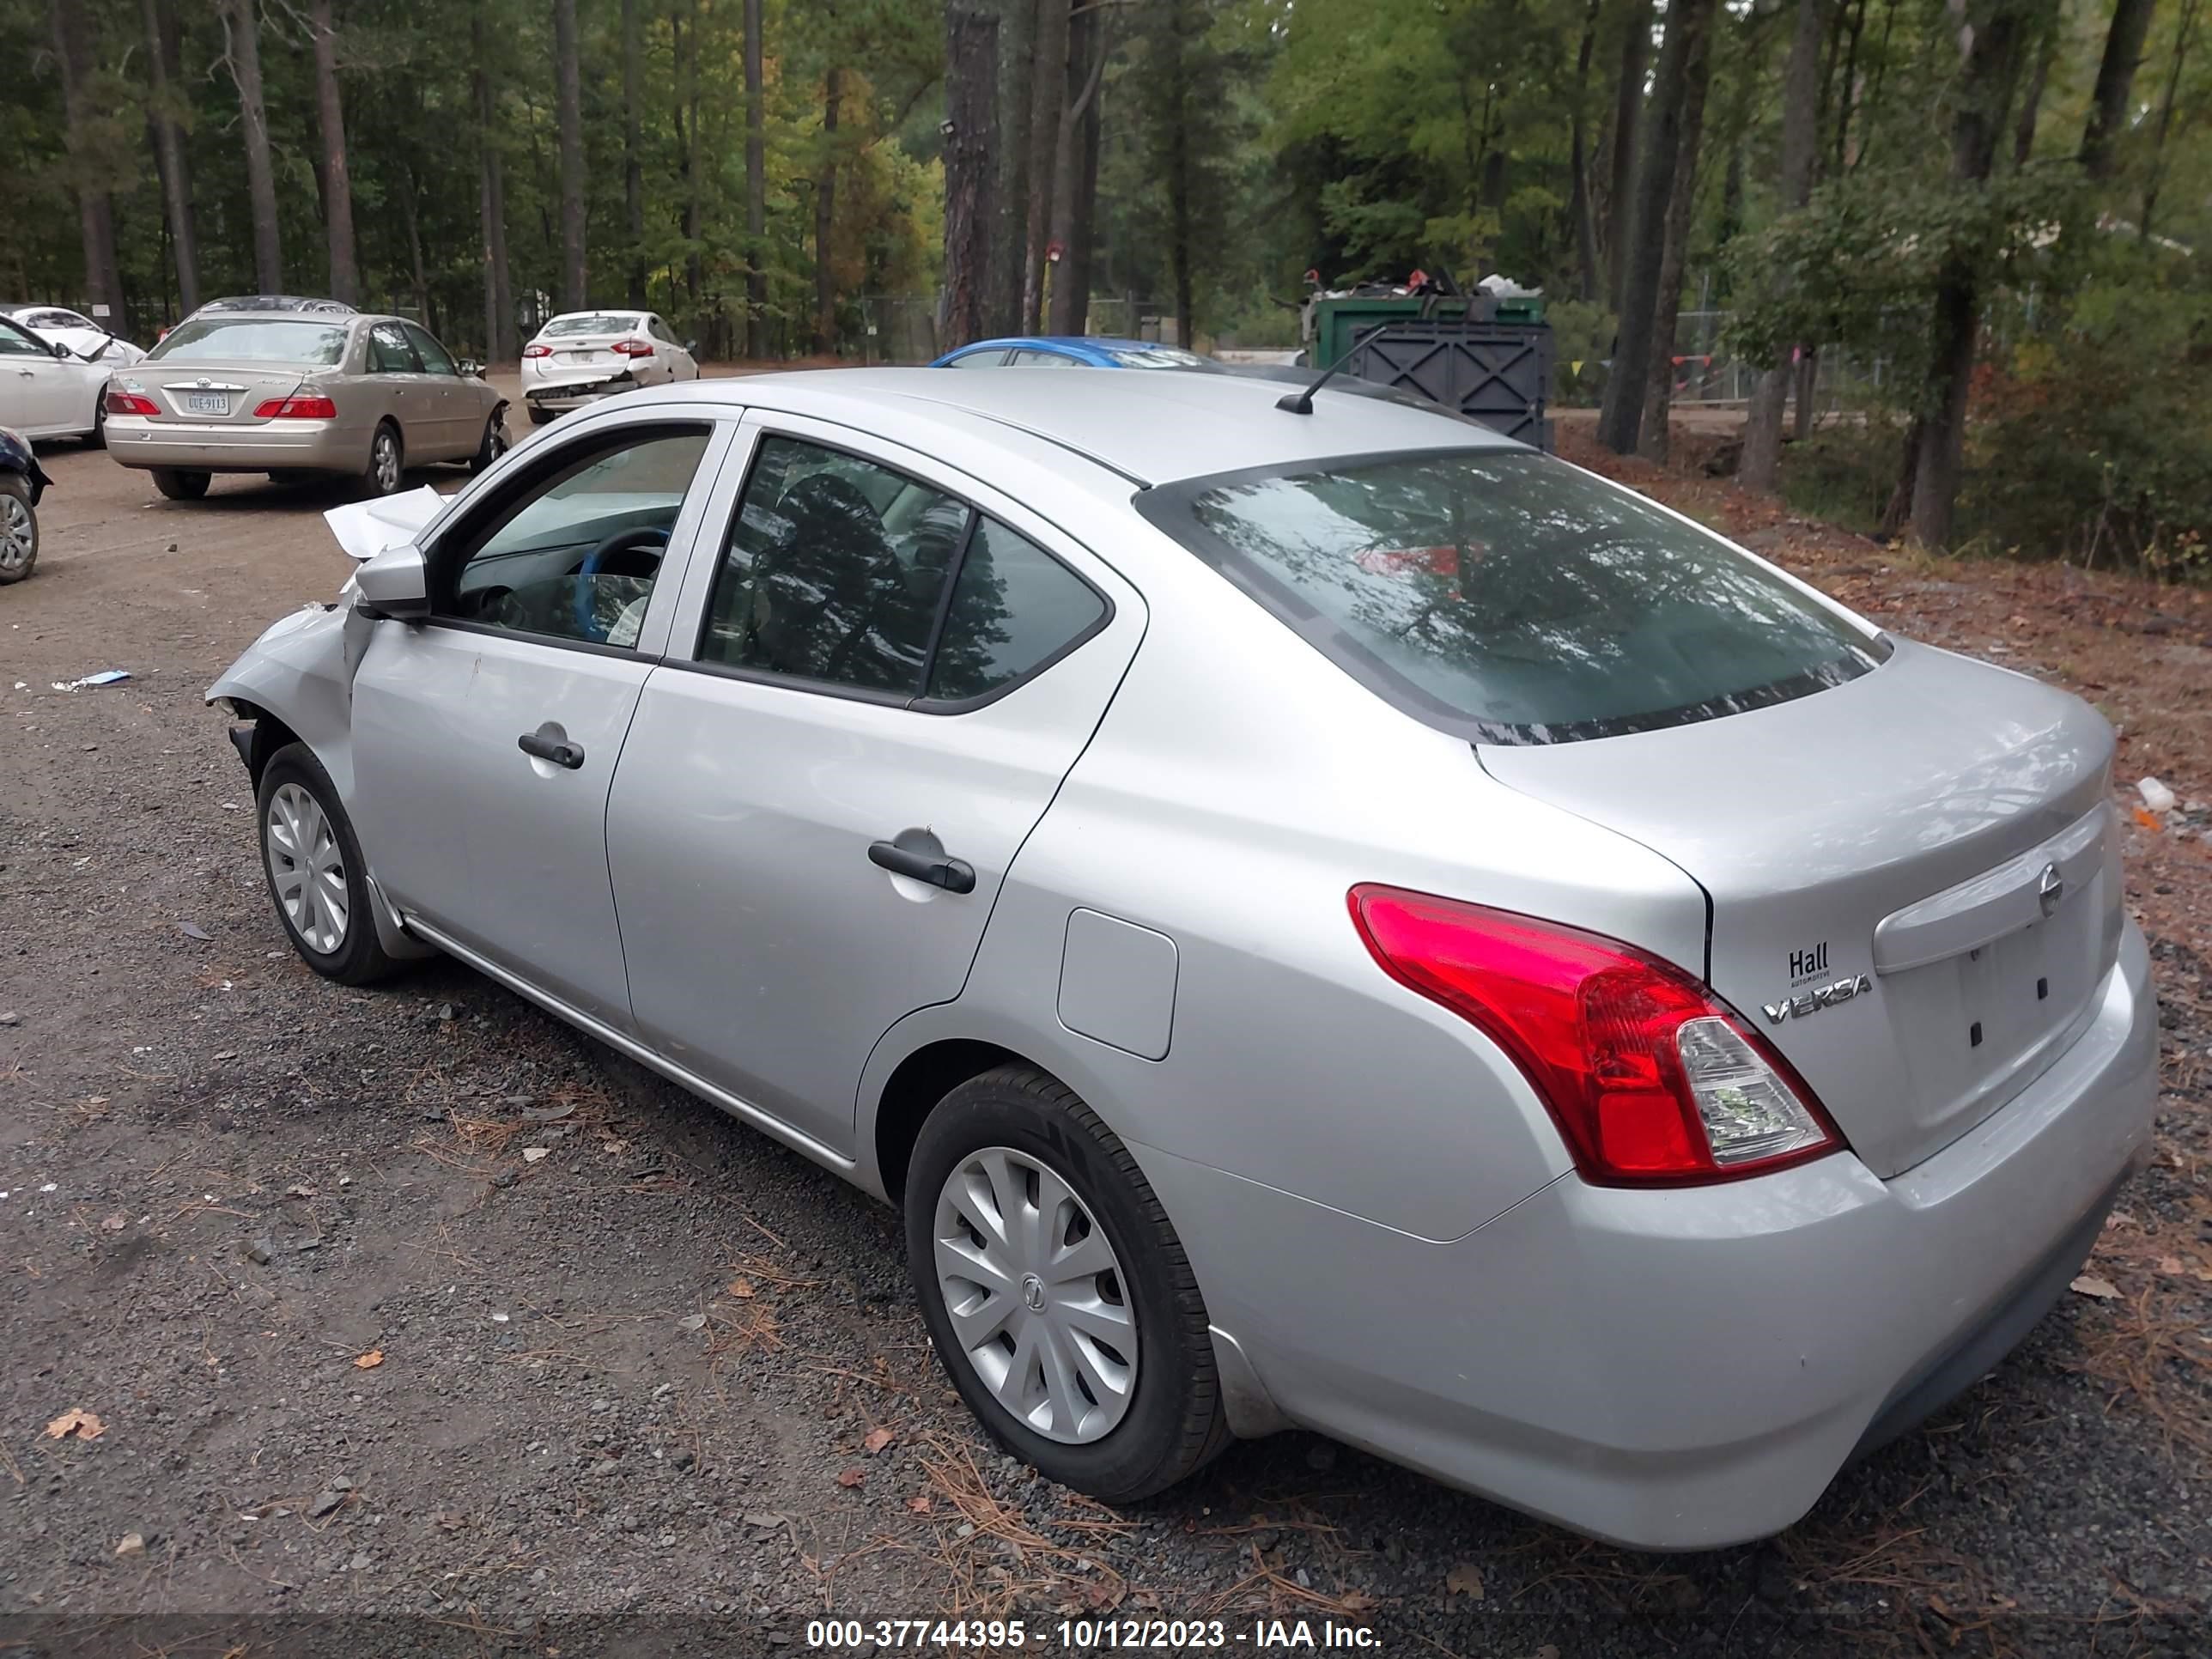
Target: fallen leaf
point(133, 1544)
point(2090, 1285)
point(81, 1423)
point(531, 1154)
point(614, 1148)
point(763, 1519)
point(877, 1440)
point(742, 1289)
point(692, 1322)
point(2169, 1264)
point(450, 1520)
point(193, 930)
point(1356, 1601)
point(116, 1224)
point(547, 1114)
point(920, 1506)
point(851, 1477)
point(369, 1361)
point(1465, 1579)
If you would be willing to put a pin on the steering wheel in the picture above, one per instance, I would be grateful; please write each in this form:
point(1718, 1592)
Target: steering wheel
point(587, 621)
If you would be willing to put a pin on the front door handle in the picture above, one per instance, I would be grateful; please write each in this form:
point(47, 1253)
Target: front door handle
point(953, 875)
point(562, 752)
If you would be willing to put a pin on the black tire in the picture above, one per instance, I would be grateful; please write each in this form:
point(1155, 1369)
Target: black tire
point(376, 479)
point(360, 957)
point(97, 438)
point(180, 486)
point(542, 417)
point(19, 551)
point(493, 444)
point(1174, 1423)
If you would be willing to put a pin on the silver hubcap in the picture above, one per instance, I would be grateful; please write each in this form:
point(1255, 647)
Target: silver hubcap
point(14, 534)
point(307, 867)
point(385, 460)
point(1037, 1296)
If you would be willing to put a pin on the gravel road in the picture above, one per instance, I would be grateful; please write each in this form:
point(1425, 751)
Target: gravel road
point(412, 1322)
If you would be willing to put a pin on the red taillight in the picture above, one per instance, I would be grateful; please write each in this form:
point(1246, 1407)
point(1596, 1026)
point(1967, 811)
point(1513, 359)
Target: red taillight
point(537, 351)
point(296, 409)
point(634, 348)
point(1652, 1081)
point(129, 402)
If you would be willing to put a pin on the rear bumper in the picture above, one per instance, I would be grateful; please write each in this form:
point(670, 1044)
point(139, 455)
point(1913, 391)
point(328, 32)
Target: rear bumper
point(1688, 1368)
point(271, 446)
point(559, 396)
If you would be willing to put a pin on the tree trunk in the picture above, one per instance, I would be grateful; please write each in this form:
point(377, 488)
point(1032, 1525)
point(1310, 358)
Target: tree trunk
point(164, 71)
point(632, 156)
point(1070, 227)
point(1659, 381)
point(688, 147)
point(1762, 433)
point(1621, 419)
point(410, 214)
point(826, 214)
point(2185, 36)
point(1178, 169)
point(1082, 240)
point(2031, 101)
point(103, 278)
point(568, 75)
point(241, 33)
point(756, 189)
point(1047, 97)
point(501, 343)
point(337, 182)
point(1016, 88)
point(2116, 79)
point(1627, 105)
point(1990, 71)
point(1580, 213)
point(971, 160)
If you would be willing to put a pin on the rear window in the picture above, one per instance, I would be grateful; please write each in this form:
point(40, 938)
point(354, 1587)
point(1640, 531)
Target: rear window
point(246, 339)
point(1511, 598)
point(596, 322)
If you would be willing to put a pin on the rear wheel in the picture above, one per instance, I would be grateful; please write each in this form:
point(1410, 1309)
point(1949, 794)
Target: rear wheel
point(19, 528)
point(493, 447)
point(385, 466)
point(180, 486)
point(315, 872)
point(1056, 1291)
point(97, 438)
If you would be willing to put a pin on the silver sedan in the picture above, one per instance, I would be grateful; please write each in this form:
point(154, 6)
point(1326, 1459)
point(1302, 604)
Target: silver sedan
point(1323, 918)
point(299, 391)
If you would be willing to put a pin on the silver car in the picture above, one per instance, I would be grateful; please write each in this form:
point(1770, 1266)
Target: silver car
point(299, 391)
point(1330, 919)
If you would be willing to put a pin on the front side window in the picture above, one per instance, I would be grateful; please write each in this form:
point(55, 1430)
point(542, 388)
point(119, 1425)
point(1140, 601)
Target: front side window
point(1014, 608)
point(233, 339)
point(15, 342)
point(834, 570)
point(575, 554)
point(1512, 598)
point(434, 355)
point(992, 359)
point(389, 352)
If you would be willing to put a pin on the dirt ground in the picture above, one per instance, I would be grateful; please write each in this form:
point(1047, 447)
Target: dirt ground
point(412, 1322)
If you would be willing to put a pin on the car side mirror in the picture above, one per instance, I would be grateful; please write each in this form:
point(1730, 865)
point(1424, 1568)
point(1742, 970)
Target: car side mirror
point(471, 366)
point(60, 350)
point(691, 346)
point(394, 585)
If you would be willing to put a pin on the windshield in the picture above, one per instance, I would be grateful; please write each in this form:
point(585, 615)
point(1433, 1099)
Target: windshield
point(1509, 597)
point(595, 322)
point(243, 339)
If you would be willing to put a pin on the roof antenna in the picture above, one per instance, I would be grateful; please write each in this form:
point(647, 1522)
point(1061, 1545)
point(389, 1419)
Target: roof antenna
point(1301, 401)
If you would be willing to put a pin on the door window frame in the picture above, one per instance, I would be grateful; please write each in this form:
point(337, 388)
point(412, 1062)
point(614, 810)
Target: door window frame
point(411, 330)
point(369, 343)
point(689, 652)
point(460, 527)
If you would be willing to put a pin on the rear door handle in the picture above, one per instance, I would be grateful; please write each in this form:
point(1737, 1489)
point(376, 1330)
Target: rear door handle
point(953, 875)
point(562, 752)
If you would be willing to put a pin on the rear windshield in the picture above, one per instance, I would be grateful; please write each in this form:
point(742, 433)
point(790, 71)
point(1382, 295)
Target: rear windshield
point(1511, 598)
point(248, 339)
point(595, 323)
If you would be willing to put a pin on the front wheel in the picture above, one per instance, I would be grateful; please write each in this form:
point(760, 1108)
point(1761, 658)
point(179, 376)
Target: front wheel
point(19, 528)
point(1056, 1291)
point(315, 872)
point(493, 447)
point(180, 486)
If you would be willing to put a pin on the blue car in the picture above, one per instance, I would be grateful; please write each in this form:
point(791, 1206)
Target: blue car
point(1073, 351)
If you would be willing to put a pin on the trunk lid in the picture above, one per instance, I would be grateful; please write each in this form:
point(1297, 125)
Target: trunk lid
point(1913, 878)
point(213, 393)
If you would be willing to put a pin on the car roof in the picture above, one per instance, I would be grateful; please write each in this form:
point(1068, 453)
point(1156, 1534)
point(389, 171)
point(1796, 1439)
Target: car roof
point(1083, 345)
point(294, 302)
point(1150, 428)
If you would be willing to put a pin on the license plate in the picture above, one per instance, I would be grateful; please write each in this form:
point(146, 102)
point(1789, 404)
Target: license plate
point(207, 403)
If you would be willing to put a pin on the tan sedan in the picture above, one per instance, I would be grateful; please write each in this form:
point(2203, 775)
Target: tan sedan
point(287, 392)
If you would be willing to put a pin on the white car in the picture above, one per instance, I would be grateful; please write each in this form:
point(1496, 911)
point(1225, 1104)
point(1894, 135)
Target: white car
point(78, 332)
point(580, 356)
point(47, 390)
